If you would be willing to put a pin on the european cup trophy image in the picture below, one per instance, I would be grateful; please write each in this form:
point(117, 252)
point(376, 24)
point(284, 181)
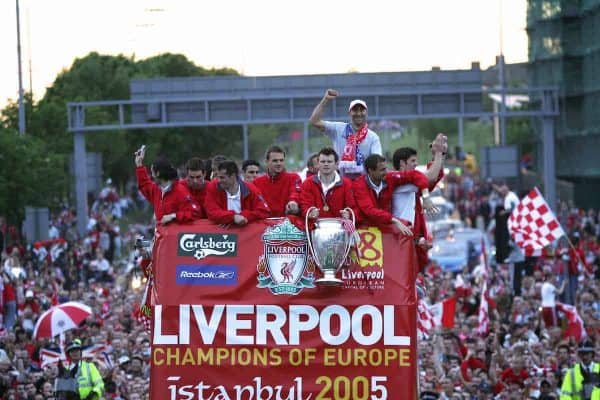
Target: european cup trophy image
point(329, 244)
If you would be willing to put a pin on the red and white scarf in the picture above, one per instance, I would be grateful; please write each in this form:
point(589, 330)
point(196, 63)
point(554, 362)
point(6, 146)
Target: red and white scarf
point(352, 142)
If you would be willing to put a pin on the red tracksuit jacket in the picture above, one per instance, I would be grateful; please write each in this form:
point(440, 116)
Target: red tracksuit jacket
point(177, 200)
point(338, 197)
point(420, 228)
point(198, 196)
point(253, 204)
point(376, 209)
point(278, 190)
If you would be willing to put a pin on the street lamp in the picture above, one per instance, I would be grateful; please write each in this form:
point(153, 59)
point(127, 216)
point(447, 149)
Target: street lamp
point(21, 105)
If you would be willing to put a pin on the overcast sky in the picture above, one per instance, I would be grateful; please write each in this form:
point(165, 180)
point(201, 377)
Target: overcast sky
point(261, 37)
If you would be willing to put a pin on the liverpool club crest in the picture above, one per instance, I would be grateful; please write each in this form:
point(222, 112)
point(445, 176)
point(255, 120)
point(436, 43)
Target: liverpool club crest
point(285, 267)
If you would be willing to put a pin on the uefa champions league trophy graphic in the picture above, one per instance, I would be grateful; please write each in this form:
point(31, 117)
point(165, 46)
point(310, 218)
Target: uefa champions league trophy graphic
point(329, 243)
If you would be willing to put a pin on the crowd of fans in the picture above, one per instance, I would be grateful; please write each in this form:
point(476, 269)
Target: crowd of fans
point(96, 270)
point(532, 339)
point(524, 354)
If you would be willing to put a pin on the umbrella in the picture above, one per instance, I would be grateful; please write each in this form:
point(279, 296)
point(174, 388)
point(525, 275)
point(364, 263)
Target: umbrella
point(60, 319)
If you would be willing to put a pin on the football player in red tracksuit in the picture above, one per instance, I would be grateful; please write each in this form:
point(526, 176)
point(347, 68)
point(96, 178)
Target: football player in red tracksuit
point(280, 189)
point(327, 190)
point(405, 159)
point(195, 182)
point(373, 192)
point(229, 200)
point(171, 200)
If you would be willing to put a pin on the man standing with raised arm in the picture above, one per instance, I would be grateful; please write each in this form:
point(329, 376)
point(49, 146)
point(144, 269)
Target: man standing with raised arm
point(353, 141)
point(171, 200)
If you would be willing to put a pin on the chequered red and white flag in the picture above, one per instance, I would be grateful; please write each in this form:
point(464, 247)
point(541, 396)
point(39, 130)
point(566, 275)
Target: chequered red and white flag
point(533, 225)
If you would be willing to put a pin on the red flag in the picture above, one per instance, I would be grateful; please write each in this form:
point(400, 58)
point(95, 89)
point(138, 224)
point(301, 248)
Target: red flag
point(575, 326)
point(438, 315)
point(533, 225)
point(443, 313)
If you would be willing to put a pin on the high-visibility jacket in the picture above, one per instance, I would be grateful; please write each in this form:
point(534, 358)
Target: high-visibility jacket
point(572, 386)
point(89, 380)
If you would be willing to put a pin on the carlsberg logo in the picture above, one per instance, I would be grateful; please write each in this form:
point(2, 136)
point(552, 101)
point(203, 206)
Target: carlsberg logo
point(202, 245)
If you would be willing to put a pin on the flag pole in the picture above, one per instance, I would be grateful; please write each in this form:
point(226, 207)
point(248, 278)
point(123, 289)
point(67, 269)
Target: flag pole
point(563, 229)
point(574, 249)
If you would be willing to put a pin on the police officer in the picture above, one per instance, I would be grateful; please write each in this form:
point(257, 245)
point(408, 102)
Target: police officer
point(89, 381)
point(581, 381)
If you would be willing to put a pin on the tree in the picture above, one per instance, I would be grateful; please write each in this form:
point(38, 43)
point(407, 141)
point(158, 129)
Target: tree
point(30, 174)
point(102, 77)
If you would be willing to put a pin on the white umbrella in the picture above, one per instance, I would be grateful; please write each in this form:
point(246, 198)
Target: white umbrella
point(60, 319)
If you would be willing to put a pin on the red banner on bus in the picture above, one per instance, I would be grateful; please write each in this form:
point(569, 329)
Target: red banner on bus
point(238, 315)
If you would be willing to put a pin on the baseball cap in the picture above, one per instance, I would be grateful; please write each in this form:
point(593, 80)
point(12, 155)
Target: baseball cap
point(357, 102)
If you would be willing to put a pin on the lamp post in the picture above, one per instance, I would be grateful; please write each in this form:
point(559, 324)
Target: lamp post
point(21, 103)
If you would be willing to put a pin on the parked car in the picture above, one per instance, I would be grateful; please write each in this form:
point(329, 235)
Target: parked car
point(461, 247)
point(441, 227)
point(449, 254)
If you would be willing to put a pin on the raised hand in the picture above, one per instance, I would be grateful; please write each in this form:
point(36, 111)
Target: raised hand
point(331, 94)
point(139, 156)
point(429, 207)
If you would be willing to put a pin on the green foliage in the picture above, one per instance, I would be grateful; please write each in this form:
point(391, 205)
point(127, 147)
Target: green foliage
point(30, 174)
point(91, 78)
point(174, 65)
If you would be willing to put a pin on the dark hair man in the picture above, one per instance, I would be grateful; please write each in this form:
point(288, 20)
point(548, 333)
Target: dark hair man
point(171, 200)
point(281, 189)
point(354, 141)
point(250, 170)
point(373, 192)
point(214, 163)
point(195, 182)
point(312, 165)
point(327, 191)
point(231, 200)
point(405, 199)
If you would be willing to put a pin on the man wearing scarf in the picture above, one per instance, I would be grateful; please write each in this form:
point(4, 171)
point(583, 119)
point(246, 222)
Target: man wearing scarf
point(354, 141)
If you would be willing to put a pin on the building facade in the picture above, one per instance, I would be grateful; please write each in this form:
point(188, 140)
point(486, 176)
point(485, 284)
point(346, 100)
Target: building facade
point(564, 50)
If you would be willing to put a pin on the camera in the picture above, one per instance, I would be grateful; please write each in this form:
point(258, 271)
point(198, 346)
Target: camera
point(141, 243)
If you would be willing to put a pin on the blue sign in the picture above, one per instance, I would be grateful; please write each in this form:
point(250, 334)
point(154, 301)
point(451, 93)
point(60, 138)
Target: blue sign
point(207, 275)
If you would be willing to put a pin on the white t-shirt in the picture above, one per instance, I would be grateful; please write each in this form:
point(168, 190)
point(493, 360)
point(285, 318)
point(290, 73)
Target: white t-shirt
point(234, 201)
point(337, 132)
point(100, 265)
point(548, 295)
point(404, 202)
